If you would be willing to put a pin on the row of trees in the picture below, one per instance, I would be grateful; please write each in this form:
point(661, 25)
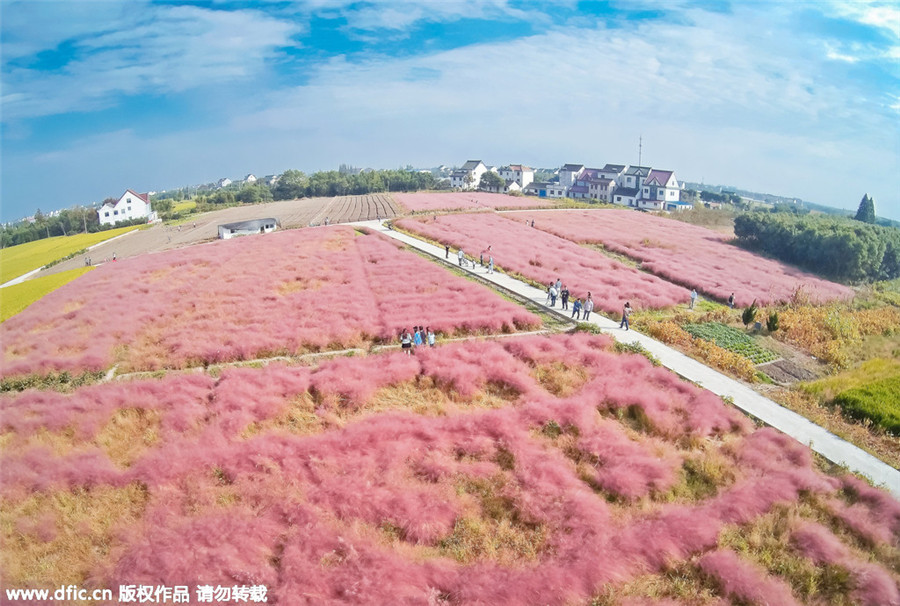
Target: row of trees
point(841, 249)
point(81, 219)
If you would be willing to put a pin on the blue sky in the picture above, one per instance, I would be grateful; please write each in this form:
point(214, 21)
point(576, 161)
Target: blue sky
point(792, 98)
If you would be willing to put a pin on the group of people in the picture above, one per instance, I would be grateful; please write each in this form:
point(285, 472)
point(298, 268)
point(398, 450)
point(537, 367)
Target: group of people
point(560, 290)
point(463, 262)
point(420, 336)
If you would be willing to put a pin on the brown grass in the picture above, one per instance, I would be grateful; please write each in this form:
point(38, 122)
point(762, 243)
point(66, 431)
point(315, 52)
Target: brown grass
point(560, 379)
point(683, 582)
point(128, 434)
point(64, 535)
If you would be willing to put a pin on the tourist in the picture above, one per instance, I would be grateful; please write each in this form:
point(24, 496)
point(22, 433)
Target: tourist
point(417, 336)
point(490, 264)
point(553, 294)
point(588, 306)
point(481, 259)
point(576, 309)
point(430, 334)
point(461, 256)
point(564, 295)
point(731, 301)
point(693, 298)
point(626, 312)
point(406, 341)
point(446, 251)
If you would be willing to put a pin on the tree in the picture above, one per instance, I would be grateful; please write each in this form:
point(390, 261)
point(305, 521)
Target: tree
point(291, 184)
point(491, 180)
point(866, 211)
point(749, 314)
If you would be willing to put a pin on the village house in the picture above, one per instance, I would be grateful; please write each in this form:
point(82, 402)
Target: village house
point(130, 205)
point(469, 176)
point(545, 190)
point(521, 175)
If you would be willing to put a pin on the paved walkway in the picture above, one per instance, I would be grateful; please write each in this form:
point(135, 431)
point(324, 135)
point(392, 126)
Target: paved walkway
point(818, 439)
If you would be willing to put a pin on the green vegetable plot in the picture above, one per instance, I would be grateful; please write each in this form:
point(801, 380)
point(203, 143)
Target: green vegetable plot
point(731, 339)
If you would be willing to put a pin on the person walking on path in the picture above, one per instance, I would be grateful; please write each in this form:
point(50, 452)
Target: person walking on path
point(430, 334)
point(558, 285)
point(553, 294)
point(576, 309)
point(626, 311)
point(490, 264)
point(549, 288)
point(731, 301)
point(564, 295)
point(446, 251)
point(481, 259)
point(693, 298)
point(588, 306)
point(461, 256)
point(405, 341)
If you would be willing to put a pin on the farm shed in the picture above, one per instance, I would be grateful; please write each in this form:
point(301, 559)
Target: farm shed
point(245, 228)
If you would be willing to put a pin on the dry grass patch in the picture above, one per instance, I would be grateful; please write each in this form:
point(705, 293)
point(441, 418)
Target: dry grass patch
point(683, 582)
point(64, 535)
point(128, 434)
point(766, 541)
point(703, 475)
point(300, 419)
point(299, 284)
point(561, 379)
point(492, 529)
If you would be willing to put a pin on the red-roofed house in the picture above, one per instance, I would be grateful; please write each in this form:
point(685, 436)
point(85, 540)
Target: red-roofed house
point(130, 206)
point(522, 175)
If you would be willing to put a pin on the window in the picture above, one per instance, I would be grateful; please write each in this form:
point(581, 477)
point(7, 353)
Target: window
point(129, 209)
point(128, 200)
point(106, 214)
point(115, 212)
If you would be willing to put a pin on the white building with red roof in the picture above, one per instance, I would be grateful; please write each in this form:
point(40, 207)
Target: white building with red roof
point(131, 205)
point(518, 173)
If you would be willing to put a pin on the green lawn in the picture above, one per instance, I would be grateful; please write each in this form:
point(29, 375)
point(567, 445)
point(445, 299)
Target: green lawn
point(878, 402)
point(19, 260)
point(17, 297)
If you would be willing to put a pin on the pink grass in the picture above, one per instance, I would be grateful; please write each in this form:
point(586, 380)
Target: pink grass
point(689, 255)
point(744, 580)
point(306, 514)
point(424, 202)
point(285, 292)
point(543, 257)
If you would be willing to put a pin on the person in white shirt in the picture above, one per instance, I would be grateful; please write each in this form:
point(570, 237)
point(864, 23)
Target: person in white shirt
point(588, 306)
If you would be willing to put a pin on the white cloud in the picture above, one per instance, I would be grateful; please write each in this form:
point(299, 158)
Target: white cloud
point(163, 49)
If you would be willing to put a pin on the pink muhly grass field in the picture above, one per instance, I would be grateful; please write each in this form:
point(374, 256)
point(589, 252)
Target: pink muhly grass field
point(465, 200)
point(309, 289)
point(543, 257)
point(686, 254)
point(368, 509)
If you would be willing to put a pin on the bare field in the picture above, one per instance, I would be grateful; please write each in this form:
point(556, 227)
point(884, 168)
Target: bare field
point(203, 227)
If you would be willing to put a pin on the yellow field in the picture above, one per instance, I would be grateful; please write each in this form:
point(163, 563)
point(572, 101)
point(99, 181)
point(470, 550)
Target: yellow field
point(18, 260)
point(17, 297)
point(867, 373)
point(187, 205)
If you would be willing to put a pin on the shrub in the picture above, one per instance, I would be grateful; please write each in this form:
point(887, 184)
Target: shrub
point(749, 314)
point(772, 322)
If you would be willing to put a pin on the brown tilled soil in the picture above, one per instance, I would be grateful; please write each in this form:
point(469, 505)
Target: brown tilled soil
point(204, 227)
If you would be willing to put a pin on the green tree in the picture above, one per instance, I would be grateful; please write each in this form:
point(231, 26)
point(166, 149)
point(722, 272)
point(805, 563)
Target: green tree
point(491, 180)
point(866, 210)
point(291, 184)
point(749, 314)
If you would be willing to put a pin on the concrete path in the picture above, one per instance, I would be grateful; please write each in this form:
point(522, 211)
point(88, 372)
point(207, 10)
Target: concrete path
point(818, 439)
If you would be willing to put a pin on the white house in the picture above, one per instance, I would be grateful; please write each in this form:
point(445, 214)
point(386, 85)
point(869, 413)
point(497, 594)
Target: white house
point(469, 175)
point(251, 178)
point(545, 190)
point(601, 188)
point(568, 173)
point(519, 173)
point(245, 228)
point(130, 206)
point(626, 196)
point(661, 186)
point(224, 182)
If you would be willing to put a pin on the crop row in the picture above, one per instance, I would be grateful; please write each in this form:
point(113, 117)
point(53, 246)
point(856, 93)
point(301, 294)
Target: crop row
point(731, 339)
